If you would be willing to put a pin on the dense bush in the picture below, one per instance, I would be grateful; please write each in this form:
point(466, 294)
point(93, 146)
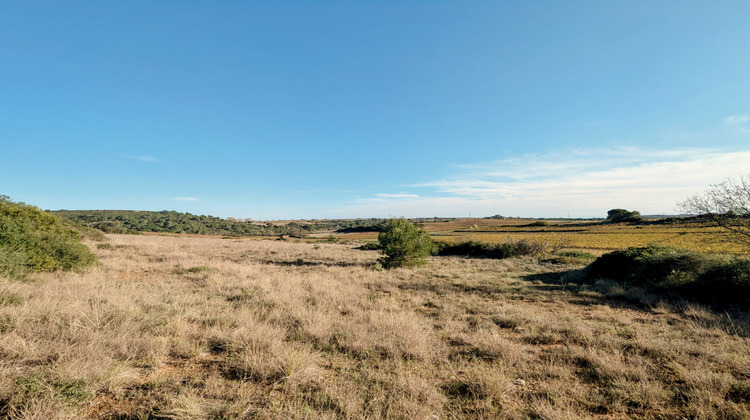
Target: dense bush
point(486, 250)
point(404, 245)
point(34, 240)
point(622, 215)
point(706, 277)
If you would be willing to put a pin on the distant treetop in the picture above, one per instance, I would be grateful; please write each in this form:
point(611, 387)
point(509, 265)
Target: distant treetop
point(622, 215)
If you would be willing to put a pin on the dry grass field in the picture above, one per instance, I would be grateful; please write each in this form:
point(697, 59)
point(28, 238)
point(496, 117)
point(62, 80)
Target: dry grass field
point(208, 328)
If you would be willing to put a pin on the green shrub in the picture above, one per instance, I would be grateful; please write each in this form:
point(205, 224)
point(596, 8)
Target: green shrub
point(404, 245)
point(537, 223)
point(651, 265)
point(34, 240)
point(622, 215)
point(485, 250)
point(728, 282)
point(705, 277)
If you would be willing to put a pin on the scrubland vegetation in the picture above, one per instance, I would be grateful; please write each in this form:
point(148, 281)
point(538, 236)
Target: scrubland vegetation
point(126, 221)
point(711, 278)
point(176, 327)
point(34, 240)
point(533, 326)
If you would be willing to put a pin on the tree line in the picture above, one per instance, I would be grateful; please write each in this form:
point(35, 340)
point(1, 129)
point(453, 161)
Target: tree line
point(130, 221)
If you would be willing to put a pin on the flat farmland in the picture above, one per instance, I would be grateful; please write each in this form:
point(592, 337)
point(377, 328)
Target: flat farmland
point(592, 236)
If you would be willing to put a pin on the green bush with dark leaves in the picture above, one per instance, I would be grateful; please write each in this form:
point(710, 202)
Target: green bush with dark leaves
point(705, 277)
point(623, 216)
point(34, 240)
point(404, 244)
point(474, 249)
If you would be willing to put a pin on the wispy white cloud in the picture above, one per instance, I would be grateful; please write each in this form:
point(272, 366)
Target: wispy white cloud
point(737, 119)
point(322, 191)
point(399, 195)
point(187, 199)
point(579, 183)
point(145, 158)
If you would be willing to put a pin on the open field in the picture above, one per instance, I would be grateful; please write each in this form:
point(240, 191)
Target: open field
point(592, 236)
point(177, 327)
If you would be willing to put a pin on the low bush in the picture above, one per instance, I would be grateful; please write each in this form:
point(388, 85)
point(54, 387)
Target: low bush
point(404, 245)
point(486, 250)
point(706, 277)
point(34, 240)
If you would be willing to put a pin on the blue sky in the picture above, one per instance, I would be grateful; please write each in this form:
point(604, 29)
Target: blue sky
point(327, 109)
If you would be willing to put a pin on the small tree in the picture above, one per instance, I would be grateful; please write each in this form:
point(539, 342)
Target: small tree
point(404, 245)
point(622, 215)
point(726, 204)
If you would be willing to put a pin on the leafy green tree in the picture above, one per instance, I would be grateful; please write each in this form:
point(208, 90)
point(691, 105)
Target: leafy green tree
point(404, 245)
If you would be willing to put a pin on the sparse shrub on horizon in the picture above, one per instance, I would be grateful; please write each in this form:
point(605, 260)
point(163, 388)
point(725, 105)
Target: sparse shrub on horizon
point(404, 245)
point(34, 240)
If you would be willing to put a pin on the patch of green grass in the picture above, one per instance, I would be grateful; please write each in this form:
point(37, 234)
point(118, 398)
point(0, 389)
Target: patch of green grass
point(370, 246)
point(10, 299)
point(71, 391)
point(569, 257)
point(200, 269)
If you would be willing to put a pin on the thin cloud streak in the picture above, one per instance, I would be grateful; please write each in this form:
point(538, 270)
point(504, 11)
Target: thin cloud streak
point(579, 183)
point(400, 195)
point(737, 119)
point(145, 158)
point(187, 199)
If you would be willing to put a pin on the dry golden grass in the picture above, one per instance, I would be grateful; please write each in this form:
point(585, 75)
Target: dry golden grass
point(194, 328)
point(605, 237)
point(578, 235)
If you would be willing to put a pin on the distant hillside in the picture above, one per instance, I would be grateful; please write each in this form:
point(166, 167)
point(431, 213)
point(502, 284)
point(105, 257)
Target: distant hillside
point(34, 240)
point(130, 221)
